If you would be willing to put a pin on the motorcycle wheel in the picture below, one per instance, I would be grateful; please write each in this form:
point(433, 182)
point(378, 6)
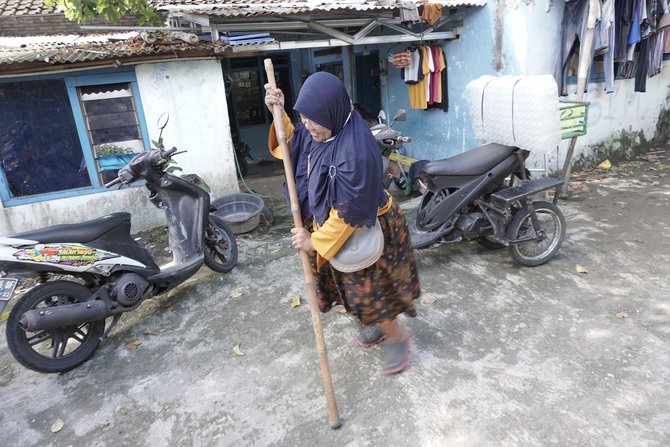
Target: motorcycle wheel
point(55, 350)
point(544, 246)
point(220, 245)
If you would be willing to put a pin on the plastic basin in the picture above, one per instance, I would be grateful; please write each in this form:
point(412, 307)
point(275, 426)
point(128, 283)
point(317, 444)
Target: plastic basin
point(241, 211)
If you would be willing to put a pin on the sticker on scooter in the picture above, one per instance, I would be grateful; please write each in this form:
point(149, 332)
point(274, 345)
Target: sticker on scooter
point(72, 255)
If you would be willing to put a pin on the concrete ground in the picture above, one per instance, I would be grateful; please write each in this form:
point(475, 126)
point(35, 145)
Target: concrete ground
point(502, 355)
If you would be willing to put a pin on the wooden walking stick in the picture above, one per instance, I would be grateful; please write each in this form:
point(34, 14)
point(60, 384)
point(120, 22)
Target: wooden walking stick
point(277, 113)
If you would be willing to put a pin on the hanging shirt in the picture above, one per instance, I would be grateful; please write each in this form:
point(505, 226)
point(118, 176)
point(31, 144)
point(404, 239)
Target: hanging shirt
point(436, 76)
point(417, 91)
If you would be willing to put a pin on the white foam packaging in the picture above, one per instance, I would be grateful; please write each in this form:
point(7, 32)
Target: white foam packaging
point(516, 111)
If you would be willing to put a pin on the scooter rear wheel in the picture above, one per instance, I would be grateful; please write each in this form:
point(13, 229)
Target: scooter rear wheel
point(56, 350)
point(539, 248)
point(220, 245)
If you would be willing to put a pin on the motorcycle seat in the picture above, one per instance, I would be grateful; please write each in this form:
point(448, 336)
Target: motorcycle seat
point(80, 232)
point(473, 162)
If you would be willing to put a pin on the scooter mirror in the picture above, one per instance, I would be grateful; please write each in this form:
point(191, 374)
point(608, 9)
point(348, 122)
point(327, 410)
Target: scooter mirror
point(401, 115)
point(381, 117)
point(163, 120)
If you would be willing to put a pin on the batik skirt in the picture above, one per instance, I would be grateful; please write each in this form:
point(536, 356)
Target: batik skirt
point(379, 292)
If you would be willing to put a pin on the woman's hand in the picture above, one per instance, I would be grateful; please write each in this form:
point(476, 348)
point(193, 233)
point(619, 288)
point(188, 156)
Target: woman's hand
point(301, 239)
point(273, 96)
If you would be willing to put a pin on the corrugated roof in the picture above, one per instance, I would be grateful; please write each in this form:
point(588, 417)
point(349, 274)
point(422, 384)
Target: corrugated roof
point(244, 8)
point(250, 8)
point(72, 49)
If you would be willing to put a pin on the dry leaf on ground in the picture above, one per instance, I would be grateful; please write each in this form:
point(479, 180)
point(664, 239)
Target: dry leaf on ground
point(295, 301)
point(57, 425)
point(428, 299)
point(237, 351)
point(605, 164)
point(581, 269)
point(132, 344)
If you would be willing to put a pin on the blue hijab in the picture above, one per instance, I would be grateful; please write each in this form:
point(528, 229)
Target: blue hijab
point(345, 172)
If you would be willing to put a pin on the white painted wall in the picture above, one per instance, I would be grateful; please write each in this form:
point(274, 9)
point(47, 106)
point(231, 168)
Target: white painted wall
point(192, 92)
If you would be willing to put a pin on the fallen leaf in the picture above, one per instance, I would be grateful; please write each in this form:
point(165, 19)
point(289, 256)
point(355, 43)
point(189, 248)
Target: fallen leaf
point(428, 299)
point(295, 301)
point(150, 332)
point(132, 344)
point(57, 425)
point(341, 309)
point(581, 269)
point(4, 316)
point(236, 350)
point(605, 164)
point(622, 315)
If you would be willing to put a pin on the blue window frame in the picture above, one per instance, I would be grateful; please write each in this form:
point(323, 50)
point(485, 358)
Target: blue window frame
point(63, 136)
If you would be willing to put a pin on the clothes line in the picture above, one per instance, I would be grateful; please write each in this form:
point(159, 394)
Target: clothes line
point(424, 70)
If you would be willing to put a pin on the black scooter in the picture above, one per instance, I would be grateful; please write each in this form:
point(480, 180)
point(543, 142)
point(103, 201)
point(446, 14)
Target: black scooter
point(484, 195)
point(93, 270)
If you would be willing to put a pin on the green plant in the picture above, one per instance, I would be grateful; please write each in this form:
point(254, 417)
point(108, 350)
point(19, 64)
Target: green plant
point(104, 150)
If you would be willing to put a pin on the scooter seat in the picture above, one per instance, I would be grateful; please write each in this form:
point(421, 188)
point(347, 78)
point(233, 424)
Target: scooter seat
point(473, 162)
point(80, 232)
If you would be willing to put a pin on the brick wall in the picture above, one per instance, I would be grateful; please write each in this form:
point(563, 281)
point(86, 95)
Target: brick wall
point(33, 25)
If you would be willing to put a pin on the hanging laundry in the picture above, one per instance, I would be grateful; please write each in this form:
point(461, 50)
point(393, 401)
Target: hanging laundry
point(400, 59)
point(431, 12)
point(409, 13)
point(436, 78)
point(412, 74)
point(417, 91)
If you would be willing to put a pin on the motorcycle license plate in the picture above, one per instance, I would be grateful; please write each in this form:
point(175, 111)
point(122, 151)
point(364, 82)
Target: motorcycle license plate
point(7, 286)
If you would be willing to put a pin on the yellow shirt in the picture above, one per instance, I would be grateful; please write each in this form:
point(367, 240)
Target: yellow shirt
point(331, 236)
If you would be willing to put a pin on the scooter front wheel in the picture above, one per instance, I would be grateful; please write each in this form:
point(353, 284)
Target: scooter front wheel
point(530, 247)
point(220, 245)
point(56, 350)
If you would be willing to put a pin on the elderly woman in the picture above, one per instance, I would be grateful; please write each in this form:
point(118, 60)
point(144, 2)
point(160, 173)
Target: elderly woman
point(338, 173)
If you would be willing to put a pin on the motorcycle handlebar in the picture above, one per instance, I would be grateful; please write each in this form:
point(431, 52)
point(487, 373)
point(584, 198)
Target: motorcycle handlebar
point(113, 182)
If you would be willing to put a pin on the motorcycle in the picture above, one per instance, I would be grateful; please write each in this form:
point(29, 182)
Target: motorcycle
point(474, 196)
point(90, 271)
point(396, 163)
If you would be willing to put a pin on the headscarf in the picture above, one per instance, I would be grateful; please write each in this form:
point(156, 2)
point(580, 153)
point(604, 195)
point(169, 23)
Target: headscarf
point(345, 172)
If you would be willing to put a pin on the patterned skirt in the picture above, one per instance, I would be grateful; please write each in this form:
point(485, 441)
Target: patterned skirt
point(382, 291)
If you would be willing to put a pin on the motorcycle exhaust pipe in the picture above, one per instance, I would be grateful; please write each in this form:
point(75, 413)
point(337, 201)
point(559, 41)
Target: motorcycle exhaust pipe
point(49, 318)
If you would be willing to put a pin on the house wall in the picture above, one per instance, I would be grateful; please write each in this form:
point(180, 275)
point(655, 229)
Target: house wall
point(529, 35)
point(192, 92)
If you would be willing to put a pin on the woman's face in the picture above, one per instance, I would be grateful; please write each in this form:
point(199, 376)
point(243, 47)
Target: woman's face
point(319, 133)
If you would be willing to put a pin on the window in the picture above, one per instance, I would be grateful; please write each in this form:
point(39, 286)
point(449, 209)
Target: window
point(112, 126)
point(64, 136)
point(41, 152)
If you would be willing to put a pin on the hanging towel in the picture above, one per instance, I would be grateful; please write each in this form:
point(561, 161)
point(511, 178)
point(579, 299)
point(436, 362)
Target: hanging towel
point(431, 12)
point(409, 13)
point(400, 59)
